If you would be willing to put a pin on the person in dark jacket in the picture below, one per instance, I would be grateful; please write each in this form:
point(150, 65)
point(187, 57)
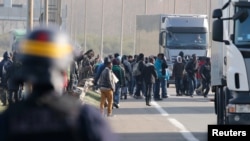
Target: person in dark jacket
point(14, 87)
point(205, 72)
point(119, 72)
point(178, 69)
point(128, 76)
point(149, 77)
point(46, 114)
point(191, 69)
point(4, 64)
point(139, 79)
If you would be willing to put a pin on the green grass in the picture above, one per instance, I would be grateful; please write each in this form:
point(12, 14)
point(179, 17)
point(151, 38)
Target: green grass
point(92, 98)
point(2, 108)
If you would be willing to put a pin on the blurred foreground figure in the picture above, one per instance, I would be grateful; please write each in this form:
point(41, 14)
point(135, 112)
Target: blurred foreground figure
point(46, 114)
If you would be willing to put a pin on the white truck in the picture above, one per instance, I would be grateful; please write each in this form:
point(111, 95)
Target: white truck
point(172, 33)
point(230, 62)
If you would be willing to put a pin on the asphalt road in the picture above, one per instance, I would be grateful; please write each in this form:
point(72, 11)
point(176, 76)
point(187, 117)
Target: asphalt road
point(177, 118)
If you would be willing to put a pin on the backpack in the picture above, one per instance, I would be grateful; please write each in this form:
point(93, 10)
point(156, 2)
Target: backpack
point(136, 70)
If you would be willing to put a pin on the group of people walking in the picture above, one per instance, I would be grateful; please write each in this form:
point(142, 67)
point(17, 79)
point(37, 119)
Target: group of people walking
point(116, 78)
point(192, 74)
point(146, 77)
point(137, 76)
point(10, 89)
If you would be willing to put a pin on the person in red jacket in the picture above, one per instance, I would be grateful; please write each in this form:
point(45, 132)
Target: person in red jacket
point(198, 90)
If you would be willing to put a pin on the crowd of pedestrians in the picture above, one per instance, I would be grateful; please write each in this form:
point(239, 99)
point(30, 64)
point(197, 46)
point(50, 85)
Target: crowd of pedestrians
point(191, 75)
point(144, 77)
point(138, 76)
point(47, 113)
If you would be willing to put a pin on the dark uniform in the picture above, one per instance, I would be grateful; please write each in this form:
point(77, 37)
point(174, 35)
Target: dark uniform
point(46, 114)
point(4, 65)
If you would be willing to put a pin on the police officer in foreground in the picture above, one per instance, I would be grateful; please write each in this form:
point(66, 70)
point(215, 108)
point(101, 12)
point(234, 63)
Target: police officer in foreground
point(46, 114)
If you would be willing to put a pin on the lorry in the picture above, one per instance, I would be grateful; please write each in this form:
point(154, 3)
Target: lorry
point(173, 33)
point(230, 62)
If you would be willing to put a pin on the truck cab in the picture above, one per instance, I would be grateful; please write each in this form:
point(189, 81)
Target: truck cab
point(230, 73)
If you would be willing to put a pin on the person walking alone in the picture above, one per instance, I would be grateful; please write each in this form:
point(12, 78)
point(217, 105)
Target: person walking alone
point(205, 71)
point(107, 87)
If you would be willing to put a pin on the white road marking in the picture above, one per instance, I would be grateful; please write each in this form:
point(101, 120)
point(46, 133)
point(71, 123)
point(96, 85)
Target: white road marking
point(182, 129)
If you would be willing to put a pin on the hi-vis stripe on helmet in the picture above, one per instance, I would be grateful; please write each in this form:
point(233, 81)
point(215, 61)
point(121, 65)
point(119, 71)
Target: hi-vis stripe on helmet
point(45, 49)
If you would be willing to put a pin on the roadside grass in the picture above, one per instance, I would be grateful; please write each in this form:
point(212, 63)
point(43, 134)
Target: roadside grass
point(92, 98)
point(2, 108)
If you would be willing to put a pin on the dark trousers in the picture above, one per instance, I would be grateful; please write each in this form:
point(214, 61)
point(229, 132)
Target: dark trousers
point(131, 85)
point(178, 85)
point(13, 96)
point(205, 87)
point(3, 95)
point(148, 92)
point(139, 88)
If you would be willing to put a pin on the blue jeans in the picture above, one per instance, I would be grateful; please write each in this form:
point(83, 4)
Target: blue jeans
point(131, 85)
point(160, 83)
point(117, 93)
point(192, 84)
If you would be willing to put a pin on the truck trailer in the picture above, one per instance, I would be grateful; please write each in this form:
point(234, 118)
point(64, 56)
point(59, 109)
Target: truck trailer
point(230, 62)
point(172, 33)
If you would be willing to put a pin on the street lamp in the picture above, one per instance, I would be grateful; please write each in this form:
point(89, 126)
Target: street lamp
point(101, 54)
point(122, 12)
point(174, 6)
point(30, 15)
point(85, 25)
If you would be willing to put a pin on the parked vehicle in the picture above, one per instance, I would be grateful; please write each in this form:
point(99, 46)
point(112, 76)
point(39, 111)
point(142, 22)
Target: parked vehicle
point(230, 63)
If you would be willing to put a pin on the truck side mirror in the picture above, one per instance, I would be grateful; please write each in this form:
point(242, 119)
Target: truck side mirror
point(162, 38)
point(217, 30)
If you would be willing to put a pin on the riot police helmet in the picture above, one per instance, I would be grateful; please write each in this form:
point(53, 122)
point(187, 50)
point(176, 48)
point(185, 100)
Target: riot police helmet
point(46, 54)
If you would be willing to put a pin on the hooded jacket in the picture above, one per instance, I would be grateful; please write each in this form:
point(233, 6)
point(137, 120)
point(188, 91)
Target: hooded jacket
point(178, 67)
point(149, 73)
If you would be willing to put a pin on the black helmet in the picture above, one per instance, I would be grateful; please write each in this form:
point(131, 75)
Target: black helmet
point(6, 55)
point(45, 54)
